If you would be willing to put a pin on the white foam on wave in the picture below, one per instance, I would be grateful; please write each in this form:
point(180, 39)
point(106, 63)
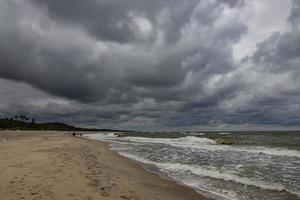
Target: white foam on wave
point(271, 151)
point(188, 141)
point(101, 136)
point(212, 172)
point(223, 133)
point(209, 144)
point(195, 133)
point(209, 172)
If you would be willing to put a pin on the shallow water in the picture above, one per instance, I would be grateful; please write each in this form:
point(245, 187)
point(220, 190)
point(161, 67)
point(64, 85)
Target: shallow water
point(258, 166)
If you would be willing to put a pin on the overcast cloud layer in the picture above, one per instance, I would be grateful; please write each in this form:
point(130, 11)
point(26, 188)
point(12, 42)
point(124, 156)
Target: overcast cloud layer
point(159, 64)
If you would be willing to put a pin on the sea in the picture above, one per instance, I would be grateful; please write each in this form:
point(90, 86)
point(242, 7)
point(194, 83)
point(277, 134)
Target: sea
point(219, 165)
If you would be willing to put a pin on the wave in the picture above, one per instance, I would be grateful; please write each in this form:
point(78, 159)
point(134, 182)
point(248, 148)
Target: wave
point(225, 175)
point(217, 174)
point(194, 133)
point(201, 143)
point(101, 136)
point(209, 144)
point(271, 151)
point(180, 141)
point(223, 133)
point(189, 182)
point(211, 172)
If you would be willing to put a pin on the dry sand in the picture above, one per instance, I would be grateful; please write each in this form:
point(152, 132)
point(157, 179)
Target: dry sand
point(50, 165)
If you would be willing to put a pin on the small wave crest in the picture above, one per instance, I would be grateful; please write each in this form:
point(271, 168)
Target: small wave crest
point(225, 175)
point(271, 151)
point(187, 141)
point(217, 174)
point(223, 133)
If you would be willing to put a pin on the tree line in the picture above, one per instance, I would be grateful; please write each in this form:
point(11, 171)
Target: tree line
point(22, 122)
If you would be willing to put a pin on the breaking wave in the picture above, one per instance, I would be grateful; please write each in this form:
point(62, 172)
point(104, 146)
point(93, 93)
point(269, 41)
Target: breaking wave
point(211, 172)
point(209, 144)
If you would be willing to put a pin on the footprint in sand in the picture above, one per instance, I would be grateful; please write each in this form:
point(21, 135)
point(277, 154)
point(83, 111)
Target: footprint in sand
point(125, 197)
point(130, 196)
point(105, 191)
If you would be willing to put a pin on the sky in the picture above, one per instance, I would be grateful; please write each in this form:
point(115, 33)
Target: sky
point(152, 65)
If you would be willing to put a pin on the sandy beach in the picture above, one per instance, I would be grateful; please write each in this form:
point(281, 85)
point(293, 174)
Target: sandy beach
point(50, 165)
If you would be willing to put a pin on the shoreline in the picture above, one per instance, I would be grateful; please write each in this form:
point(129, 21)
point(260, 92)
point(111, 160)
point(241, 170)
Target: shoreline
point(51, 165)
point(144, 166)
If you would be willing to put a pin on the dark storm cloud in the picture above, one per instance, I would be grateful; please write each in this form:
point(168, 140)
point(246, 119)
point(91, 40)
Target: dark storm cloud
point(295, 14)
point(112, 20)
point(155, 64)
point(59, 56)
point(279, 50)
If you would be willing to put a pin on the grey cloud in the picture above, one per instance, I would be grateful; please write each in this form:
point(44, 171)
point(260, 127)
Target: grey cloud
point(160, 63)
point(279, 50)
point(111, 20)
point(295, 14)
point(58, 57)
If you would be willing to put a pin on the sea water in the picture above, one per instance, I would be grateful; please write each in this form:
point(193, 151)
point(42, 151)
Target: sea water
point(253, 166)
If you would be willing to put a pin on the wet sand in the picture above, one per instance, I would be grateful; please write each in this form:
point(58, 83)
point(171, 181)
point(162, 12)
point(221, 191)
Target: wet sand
point(50, 165)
